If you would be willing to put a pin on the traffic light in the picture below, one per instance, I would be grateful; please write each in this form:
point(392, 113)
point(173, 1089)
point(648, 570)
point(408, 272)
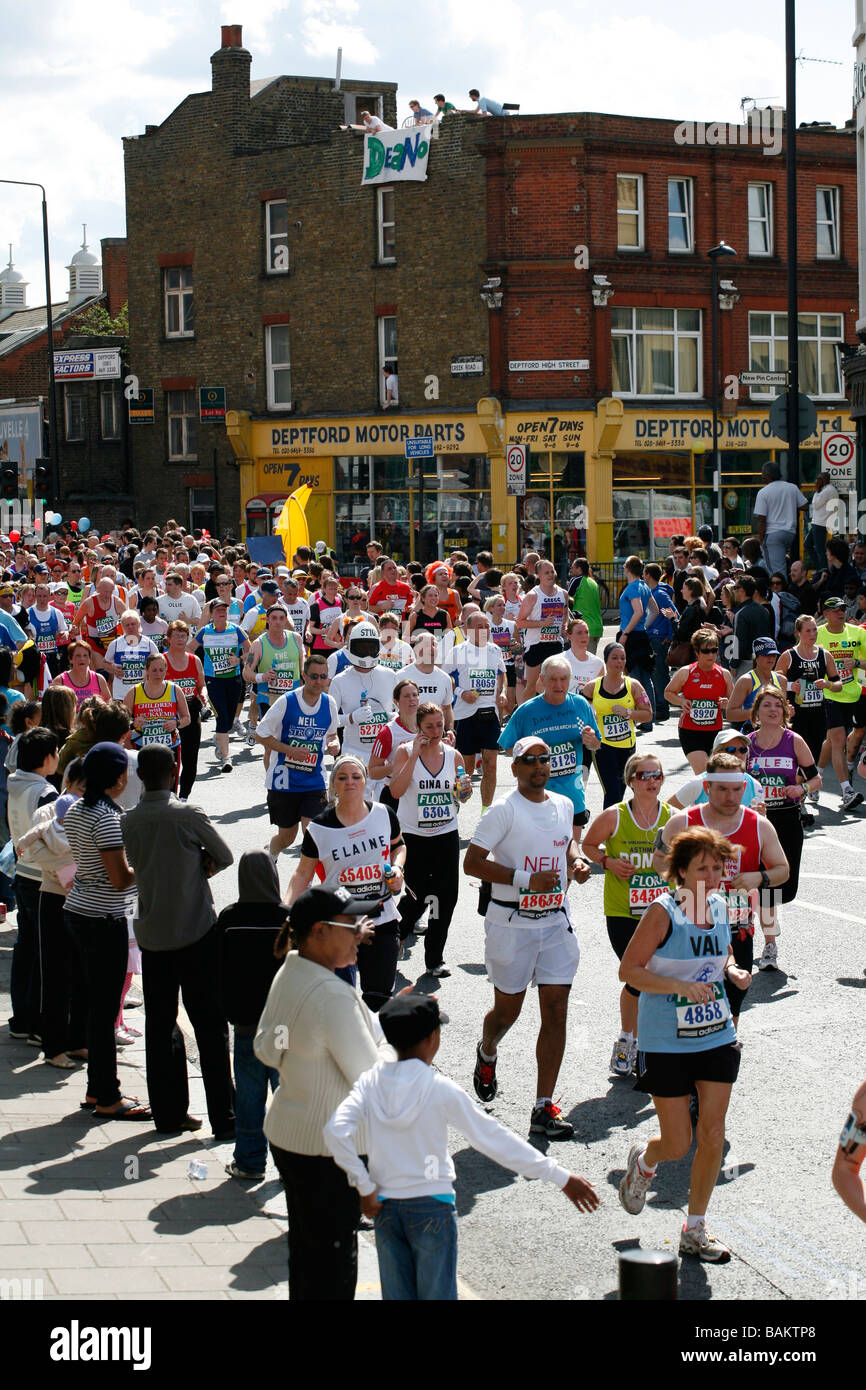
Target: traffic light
point(40, 481)
point(9, 482)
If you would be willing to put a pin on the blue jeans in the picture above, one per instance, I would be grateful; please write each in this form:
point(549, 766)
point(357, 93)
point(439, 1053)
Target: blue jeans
point(661, 676)
point(251, 1094)
point(774, 549)
point(416, 1242)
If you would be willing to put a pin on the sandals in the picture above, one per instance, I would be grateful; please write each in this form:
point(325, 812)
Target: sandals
point(65, 1065)
point(130, 1109)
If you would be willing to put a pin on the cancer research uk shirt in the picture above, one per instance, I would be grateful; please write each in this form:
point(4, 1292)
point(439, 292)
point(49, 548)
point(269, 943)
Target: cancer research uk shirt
point(561, 727)
point(306, 729)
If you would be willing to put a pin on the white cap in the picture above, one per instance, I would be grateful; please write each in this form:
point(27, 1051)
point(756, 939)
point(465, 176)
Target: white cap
point(523, 745)
point(283, 571)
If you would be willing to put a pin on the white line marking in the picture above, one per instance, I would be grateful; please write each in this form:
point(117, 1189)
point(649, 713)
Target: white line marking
point(840, 844)
point(834, 878)
point(828, 911)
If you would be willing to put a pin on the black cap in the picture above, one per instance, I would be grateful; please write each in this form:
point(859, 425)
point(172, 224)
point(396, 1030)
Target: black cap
point(408, 1019)
point(270, 586)
point(322, 904)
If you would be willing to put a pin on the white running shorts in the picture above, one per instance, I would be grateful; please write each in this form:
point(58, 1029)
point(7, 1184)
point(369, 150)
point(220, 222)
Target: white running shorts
point(516, 957)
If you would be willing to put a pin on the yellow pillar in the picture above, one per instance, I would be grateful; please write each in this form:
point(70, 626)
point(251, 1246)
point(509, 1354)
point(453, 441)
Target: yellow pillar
point(599, 479)
point(239, 432)
point(503, 509)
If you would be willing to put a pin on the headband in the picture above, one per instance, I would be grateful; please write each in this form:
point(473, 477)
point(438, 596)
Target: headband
point(737, 779)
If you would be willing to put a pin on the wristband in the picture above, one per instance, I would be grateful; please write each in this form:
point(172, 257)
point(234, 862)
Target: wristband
point(521, 880)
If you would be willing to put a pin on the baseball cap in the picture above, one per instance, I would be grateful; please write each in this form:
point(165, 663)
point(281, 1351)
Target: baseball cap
point(219, 603)
point(726, 736)
point(321, 904)
point(270, 586)
point(282, 571)
point(765, 646)
point(832, 603)
point(320, 547)
point(408, 1019)
point(523, 745)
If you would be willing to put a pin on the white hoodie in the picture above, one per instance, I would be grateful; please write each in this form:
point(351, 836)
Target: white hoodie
point(405, 1109)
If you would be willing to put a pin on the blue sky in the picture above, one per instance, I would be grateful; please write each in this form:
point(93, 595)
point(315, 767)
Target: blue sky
point(81, 74)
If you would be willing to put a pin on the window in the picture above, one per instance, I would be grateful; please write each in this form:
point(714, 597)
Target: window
point(656, 352)
point(201, 509)
point(818, 334)
point(371, 103)
point(827, 223)
point(182, 424)
point(629, 212)
point(385, 218)
point(680, 230)
point(73, 408)
point(179, 309)
point(387, 351)
point(279, 362)
point(760, 219)
point(109, 412)
point(277, 237)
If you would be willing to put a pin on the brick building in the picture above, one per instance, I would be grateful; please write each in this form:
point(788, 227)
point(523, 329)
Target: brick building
point(92, 433)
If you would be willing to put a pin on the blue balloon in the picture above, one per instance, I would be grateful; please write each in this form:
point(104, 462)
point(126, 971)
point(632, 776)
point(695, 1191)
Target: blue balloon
point(84, 523)
point(56, 519)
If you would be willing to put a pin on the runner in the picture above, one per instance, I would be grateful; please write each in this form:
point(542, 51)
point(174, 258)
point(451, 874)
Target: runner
point(348, 846)
point(566, 723)
point(846, 643)
point(326, 610)
point(364, 692)
point(677, 959)
point(50, 629)
point(586, 665)
point(390, 594)
point(276, 658)
point(850, 1155)
point(253, 624)
point(397, 731)
point(221, 645)
point(297, 607)
point(619, 703)
point(299, 728)
point(152, 625)
point(187, 672)
point(126, 654)
point(502, 637)
point(479, 701)
point(693, 793)
point(702, 691)
point(432, 681)
point(540, 621)
point(80, 678)
point(631, 883)
point(809, 670)
point(778, 758)
point(528, 931)
point(98, 619)
point(765, 655)
point(448, 599)
point(424, 782)
point(428, 616)
point(758, 864)
point(393, 653)
point(158, 708)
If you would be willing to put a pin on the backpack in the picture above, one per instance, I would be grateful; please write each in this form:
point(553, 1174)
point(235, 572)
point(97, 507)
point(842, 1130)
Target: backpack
point(790, 613)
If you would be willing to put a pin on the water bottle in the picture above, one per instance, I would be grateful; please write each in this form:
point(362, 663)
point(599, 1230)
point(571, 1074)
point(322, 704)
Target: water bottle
point(462, 788)
point(198, 1168)
point(388, 874)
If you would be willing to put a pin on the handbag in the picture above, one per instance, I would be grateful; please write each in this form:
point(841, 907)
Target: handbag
point(679, 654)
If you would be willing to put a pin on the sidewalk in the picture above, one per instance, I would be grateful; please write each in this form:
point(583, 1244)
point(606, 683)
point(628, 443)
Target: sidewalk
point(110, 1211)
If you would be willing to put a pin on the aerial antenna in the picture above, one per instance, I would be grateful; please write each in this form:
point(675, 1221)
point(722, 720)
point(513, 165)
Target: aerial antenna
point(835, 62)
point(339, 69)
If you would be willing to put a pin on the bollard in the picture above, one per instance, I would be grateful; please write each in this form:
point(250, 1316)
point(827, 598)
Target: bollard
point(647, 1275)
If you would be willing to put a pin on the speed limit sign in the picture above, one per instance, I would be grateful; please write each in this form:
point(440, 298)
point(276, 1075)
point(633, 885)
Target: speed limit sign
point(838, 457)
point(515, 470)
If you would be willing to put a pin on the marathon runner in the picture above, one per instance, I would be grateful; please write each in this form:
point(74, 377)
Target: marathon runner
point(221, 645)
point(50, 629)
point(276, 657)
point(702, 691)
point(299, 727)
point(502, 636)
point(619, 703)
point(187, 672)
point(364, 692)
point(846, 643)
point(98, 619)
point(850, 1155)
point(540, 621)
point(397, 731)
point(478, 672)
point(126, 655)
point(809, 670)
point(80, 678)
point(765, 655)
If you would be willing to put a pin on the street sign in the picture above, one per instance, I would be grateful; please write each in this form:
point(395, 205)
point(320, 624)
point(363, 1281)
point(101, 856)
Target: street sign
point(420, 448)
point(763, 378)
point(550, 364)
point(141, 407)
point(87, 366)
point(807, 417)
point(515, 470)
point(838, 457)
point(467, 365)
point(212, 404)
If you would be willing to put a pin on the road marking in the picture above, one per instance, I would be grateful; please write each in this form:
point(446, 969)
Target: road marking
point(840, 844)
point(828, 911)
point(834, 878)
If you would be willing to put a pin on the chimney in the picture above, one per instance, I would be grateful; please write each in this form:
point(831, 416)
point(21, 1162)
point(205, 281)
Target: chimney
point(230, 86)
point(232, 36)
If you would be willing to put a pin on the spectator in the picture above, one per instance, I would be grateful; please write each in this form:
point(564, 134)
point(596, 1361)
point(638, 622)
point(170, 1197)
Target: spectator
point(174, 850)
point(443, 106)
point(485, 106)
point(637, 608)
point(824, 500)
point(421, 114)
point(832, 581)
point(392, 389)
point(695, 611)
point(731, 549)
point(751, 620)
point(681, 574)
point(776, 507)
point(28, 789)
point(585, 600)
point(799, 586)
point(858, 559)
point(660, 631)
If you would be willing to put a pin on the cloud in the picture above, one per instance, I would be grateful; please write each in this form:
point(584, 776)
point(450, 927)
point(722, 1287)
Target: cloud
point(328, 26)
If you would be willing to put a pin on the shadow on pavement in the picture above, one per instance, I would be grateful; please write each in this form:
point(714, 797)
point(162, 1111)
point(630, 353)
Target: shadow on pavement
point(475, 1174)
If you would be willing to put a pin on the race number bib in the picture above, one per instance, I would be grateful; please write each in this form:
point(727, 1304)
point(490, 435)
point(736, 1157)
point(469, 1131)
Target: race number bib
point(563, 760)
point(369, 732)
point(482, 681)
point(153, 732)
point(223, 661)
point(435, 809)
point(775, 789)
point(363, 881)
point(540, 904)
point(391, 663)
point(704, 712)
point(280, 681)
point(106, 626)
point(643, 889)
point(614, 728)
point(700, 1020)
point(133, 669)
point(551, 618)
point(46, 642)
point(303, 756)
point(845, 665)
point(739, 907)
point(810, 694)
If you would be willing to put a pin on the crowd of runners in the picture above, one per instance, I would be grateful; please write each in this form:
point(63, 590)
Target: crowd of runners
point(383, 701)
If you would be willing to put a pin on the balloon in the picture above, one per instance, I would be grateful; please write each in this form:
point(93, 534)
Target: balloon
point(14, 537)
point(57, 519)
point(84, 523)
point(37, 523)
point(205, 533)
point(73, 525)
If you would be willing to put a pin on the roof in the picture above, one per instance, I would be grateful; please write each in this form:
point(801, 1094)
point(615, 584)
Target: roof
point(25, 325)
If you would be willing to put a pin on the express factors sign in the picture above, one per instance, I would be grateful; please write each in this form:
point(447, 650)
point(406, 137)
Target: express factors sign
point(87, 366)
point(395, 155)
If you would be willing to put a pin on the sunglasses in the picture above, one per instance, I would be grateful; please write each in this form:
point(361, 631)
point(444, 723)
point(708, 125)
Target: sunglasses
point(708, 649)
point(532, 758)
point(740, 752)
point(356, 928)
point(649, 776)
point(314, 676)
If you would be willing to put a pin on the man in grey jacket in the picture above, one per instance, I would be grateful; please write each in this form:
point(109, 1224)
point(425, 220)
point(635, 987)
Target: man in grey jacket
point(174, 850)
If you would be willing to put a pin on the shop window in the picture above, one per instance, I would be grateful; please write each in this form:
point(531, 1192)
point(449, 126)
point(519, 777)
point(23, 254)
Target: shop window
point(656, 352)
point(387, 330)
point(279, 364)
point(760, 201)
point(179, 303)
point(109, 412)
point(73, 413)
point(386, 248)
point(277, 236)
point(680, 228)
point(629, 212)
point(817, 334)
point(827, 223)
point(182, 424)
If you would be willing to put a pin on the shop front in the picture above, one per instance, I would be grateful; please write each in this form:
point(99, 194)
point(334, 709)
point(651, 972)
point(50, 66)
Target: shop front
point(553, 516)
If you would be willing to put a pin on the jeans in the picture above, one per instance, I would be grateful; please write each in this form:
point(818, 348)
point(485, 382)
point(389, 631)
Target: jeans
point(416, 1242)
point(63, 996)
point(323, 1219)
point(775, 547)
point(24, 982)
point(251, 1095)
point(816, 541)
point(661, 674)
point(103, 944)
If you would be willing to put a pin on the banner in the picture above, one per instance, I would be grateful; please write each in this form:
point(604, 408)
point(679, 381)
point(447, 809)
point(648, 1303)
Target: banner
point(21, 438)
point(396, 154)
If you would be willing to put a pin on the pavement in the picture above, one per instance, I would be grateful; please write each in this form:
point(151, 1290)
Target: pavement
point(111, 1210)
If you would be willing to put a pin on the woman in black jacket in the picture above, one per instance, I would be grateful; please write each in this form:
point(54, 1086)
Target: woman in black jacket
point(247, 931)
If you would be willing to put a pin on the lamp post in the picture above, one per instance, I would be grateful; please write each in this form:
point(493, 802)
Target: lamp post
point(52, 407)
point(715, 256)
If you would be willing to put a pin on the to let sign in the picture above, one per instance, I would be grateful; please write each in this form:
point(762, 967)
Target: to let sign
point(211, 403)
point(515, 470)
point(141, 407)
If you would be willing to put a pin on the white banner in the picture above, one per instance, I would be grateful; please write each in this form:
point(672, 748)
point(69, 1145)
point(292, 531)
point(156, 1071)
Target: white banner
point(396, 155)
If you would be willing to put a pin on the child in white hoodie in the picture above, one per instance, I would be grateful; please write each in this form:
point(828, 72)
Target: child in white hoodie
point(405, 1108)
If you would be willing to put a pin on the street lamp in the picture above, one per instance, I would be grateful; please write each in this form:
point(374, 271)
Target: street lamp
point(715, 256)
point(52, 418)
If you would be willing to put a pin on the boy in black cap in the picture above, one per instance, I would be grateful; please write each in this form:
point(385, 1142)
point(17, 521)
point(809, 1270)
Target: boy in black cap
point(407, 1185)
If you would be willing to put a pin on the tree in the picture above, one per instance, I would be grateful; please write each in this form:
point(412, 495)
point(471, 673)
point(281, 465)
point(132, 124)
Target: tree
point(97, 321)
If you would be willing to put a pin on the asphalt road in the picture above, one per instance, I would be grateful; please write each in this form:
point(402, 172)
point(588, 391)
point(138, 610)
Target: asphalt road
point(790, 1235)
